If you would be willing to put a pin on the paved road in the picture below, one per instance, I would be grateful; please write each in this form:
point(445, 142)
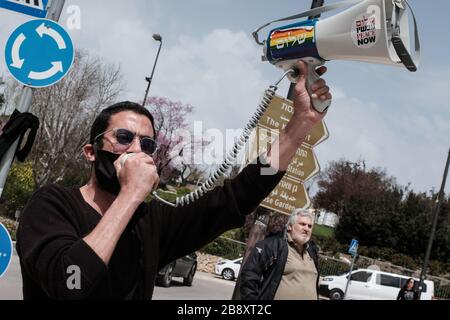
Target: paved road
point(11, 282)
point(205, 287)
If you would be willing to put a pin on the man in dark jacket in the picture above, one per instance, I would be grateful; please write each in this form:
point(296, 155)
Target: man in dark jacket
point(285, 266)
point(103, 241)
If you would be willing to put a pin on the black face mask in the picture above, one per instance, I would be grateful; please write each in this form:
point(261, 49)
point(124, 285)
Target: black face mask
point(105, 171)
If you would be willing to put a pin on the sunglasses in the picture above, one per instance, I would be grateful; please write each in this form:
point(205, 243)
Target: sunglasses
point(125, 138)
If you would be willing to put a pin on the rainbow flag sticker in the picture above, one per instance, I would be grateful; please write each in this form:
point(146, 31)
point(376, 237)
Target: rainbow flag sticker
point(295, 41)
point(281, 39)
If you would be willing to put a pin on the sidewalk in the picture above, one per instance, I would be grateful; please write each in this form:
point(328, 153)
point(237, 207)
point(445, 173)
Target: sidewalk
point(11, 282)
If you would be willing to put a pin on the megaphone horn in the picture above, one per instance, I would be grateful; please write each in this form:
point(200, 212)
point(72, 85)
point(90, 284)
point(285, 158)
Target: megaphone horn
point(375, 31)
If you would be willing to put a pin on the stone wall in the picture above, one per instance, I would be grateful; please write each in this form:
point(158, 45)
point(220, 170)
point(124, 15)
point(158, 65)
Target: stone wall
point(206, 262)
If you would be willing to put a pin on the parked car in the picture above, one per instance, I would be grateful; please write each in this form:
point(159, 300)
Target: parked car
point(369, 284)
point(184, 267)
point(228, 269)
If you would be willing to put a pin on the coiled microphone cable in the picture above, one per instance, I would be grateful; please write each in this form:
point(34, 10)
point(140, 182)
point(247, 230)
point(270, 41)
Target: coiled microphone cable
point(233, 154)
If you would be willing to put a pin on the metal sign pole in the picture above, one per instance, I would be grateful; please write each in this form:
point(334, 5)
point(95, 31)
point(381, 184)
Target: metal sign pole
point(349, 276)
point(353, 250)
point(55, 8)
point(436, 210)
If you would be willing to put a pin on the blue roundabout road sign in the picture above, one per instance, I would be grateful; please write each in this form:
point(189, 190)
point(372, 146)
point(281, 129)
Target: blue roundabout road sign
point(5, 250)
point(39, 53)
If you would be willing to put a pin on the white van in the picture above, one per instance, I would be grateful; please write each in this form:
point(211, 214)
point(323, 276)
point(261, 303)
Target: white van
point(367, 284)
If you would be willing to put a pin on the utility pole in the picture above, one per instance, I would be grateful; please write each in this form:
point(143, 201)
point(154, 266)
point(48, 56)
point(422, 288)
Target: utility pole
point(258, 230)
point(436, 211)
point(54, 10)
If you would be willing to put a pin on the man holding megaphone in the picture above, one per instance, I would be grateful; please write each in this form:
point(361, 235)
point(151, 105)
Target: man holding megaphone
point(103, 241)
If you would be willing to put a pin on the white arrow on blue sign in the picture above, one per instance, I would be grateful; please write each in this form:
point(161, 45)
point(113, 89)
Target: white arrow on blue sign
point(35, 8)
point(353, 250)
point(39, 53)
point(6, 250)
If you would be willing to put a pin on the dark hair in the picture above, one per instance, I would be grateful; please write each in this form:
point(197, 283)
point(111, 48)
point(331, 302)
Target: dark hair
point(101, 123)
point(406, 283)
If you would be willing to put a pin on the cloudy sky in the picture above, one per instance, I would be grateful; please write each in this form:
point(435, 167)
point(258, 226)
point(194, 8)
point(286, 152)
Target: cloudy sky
point(387, 116)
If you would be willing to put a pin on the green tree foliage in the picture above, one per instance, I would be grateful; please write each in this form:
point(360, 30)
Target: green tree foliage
point(387, 218)
point(19, 188)
point(343, 180)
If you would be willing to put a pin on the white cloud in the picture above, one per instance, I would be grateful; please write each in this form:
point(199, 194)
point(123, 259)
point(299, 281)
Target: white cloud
point(410, 146)
point(218, 74)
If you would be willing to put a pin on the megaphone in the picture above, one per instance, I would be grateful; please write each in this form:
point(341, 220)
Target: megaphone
point(375, 31)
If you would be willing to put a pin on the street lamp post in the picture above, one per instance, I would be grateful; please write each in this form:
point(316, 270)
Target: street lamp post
point(157, 37)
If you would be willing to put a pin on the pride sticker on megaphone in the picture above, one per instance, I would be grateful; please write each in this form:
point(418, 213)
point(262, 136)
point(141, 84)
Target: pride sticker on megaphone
point(6, 249)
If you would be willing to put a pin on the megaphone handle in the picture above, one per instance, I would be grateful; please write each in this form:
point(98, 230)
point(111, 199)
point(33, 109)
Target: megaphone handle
point(313, 63)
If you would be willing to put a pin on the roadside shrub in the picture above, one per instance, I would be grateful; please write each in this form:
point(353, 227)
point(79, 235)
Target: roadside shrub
point(327, 244)
point(363, 251)
point(437, 268)
point(11, 226)
point(403, 260)
point(381, 253)
point(224, 248)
